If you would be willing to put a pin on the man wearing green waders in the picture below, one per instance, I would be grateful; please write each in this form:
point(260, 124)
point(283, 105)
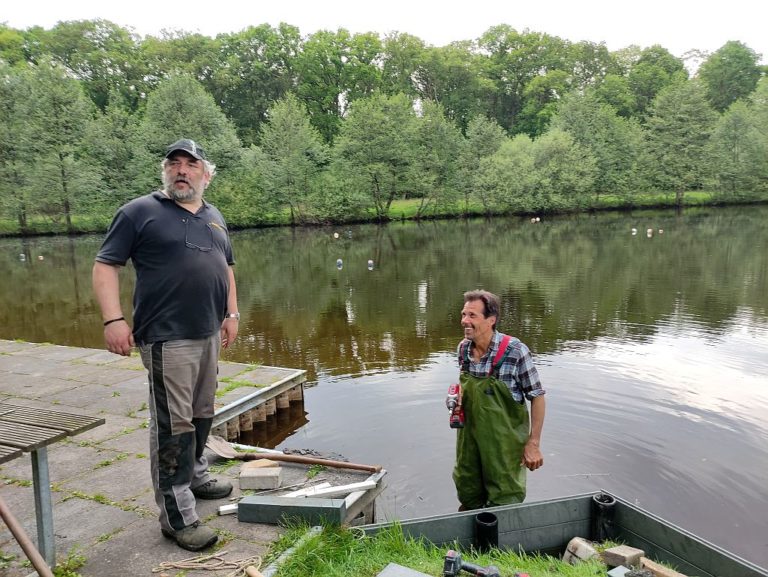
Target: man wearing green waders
point(498, 439)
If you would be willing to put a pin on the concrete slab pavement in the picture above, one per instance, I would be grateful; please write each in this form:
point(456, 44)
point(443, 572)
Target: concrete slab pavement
point(103, 505)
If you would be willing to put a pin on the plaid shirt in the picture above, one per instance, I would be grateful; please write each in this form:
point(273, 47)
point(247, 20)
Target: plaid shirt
point(517, 370)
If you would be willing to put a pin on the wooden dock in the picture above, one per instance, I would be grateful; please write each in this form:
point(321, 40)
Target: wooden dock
point(260, 393)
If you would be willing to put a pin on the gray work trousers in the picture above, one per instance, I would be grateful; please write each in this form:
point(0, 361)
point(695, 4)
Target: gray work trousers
point(182, 386)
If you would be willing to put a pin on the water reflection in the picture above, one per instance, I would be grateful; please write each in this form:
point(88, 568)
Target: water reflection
point(276, 428)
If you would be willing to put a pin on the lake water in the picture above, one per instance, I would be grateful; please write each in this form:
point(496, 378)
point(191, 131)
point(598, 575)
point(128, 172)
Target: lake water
point(653, 348)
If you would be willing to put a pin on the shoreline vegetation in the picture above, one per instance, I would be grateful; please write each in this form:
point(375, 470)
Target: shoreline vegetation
point(335, 128)
point(407, 210)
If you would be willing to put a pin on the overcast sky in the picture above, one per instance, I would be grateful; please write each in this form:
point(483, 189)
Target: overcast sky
point(678, 25)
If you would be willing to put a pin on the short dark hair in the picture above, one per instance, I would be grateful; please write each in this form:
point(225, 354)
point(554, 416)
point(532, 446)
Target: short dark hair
point(491, 305)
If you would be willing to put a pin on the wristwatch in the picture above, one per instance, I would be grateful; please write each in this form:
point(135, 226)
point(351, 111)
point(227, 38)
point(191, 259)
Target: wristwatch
point(235, 316)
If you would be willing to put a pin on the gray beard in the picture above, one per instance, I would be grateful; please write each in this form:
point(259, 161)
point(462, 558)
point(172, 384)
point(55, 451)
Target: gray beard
point(189, 195)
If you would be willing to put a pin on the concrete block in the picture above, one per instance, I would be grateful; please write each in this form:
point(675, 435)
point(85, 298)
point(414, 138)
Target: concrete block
point(266, 509)
point(259, 464)
point(622, 555)
point(579, 549)
point(619, 571)
point(261, 478)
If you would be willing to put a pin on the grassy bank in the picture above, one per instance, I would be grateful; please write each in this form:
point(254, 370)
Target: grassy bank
point(402, 209)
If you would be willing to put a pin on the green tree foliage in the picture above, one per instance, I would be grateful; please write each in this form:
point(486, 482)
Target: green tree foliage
point(181, 108)
point(401, 58)
point(101, 54)
point(449, 76)
point(679, 129)
point(542, 95)
point(293, 156)
point(395, 104)
point(60, 179)
point(240, 193)
point(437, 143)
point(514, 60)
point(14, 193)
point(615, 90)
point(254, 68)
point(616, 143)
point(506, 180)
point(334, 69)
point(110, 141)
point(565, 172)
point(738, 150)
point(484, 138)
point(378, 140)
point(653, 71)
point(590, 64)
point(12, 46)
point(729, 74)
point(177, 52)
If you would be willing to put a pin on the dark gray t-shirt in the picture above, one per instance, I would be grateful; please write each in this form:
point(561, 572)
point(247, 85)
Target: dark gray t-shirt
point(181, 261)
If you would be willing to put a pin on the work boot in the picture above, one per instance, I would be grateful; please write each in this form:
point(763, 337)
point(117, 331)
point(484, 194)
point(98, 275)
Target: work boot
point(194, 537)
point(213, 489)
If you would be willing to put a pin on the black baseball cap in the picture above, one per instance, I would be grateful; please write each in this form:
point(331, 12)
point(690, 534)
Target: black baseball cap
point(186, 145)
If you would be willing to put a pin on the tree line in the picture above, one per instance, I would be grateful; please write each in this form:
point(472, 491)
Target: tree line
point(335, 127)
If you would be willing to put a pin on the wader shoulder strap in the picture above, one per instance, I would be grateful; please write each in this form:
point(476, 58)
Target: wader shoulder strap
point(497, 360)
point(464, 355)
point(500, 354)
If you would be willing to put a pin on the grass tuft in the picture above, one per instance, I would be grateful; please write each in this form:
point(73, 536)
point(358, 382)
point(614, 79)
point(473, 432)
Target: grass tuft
point(340, 552)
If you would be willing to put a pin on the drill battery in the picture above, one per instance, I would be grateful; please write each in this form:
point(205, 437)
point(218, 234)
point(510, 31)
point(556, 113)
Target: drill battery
point(453, 402)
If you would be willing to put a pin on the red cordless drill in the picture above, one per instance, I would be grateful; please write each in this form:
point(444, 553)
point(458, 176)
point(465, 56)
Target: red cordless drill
point(454, 564)
point(453, 402)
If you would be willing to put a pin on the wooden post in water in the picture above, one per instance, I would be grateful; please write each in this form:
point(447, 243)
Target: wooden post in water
point(296, 393)
point(260, 413)
point(233, 429)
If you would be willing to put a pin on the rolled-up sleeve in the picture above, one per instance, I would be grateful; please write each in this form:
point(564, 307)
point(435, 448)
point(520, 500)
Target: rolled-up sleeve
point(527, 376)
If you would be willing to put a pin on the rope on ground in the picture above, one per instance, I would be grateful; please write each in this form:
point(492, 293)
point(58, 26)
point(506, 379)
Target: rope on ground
point(213, 562)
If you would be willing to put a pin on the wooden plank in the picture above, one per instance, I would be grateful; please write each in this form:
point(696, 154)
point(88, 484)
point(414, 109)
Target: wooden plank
point(28, 437)
point(71, 424)
point(7, 453)
point(337, 490)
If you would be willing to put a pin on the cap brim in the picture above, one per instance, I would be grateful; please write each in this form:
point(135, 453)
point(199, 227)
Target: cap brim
point(184, 150)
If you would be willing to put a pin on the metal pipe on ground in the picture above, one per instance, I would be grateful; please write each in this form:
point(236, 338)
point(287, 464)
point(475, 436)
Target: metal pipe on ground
point(42, 568)
point(225, 449)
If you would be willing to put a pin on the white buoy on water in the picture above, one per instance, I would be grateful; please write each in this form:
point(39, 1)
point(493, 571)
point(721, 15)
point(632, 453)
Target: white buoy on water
point(370, 264)
point(339, 263)
point(335, 235)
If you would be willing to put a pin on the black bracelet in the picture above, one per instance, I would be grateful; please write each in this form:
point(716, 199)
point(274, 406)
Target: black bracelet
point(113, 321)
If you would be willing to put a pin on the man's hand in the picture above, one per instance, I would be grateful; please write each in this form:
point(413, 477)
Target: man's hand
point(532, 457)
point(119, 338)
point(229, 331)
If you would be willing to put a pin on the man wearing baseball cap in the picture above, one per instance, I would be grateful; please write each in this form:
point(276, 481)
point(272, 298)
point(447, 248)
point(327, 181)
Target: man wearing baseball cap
point(184, 311)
